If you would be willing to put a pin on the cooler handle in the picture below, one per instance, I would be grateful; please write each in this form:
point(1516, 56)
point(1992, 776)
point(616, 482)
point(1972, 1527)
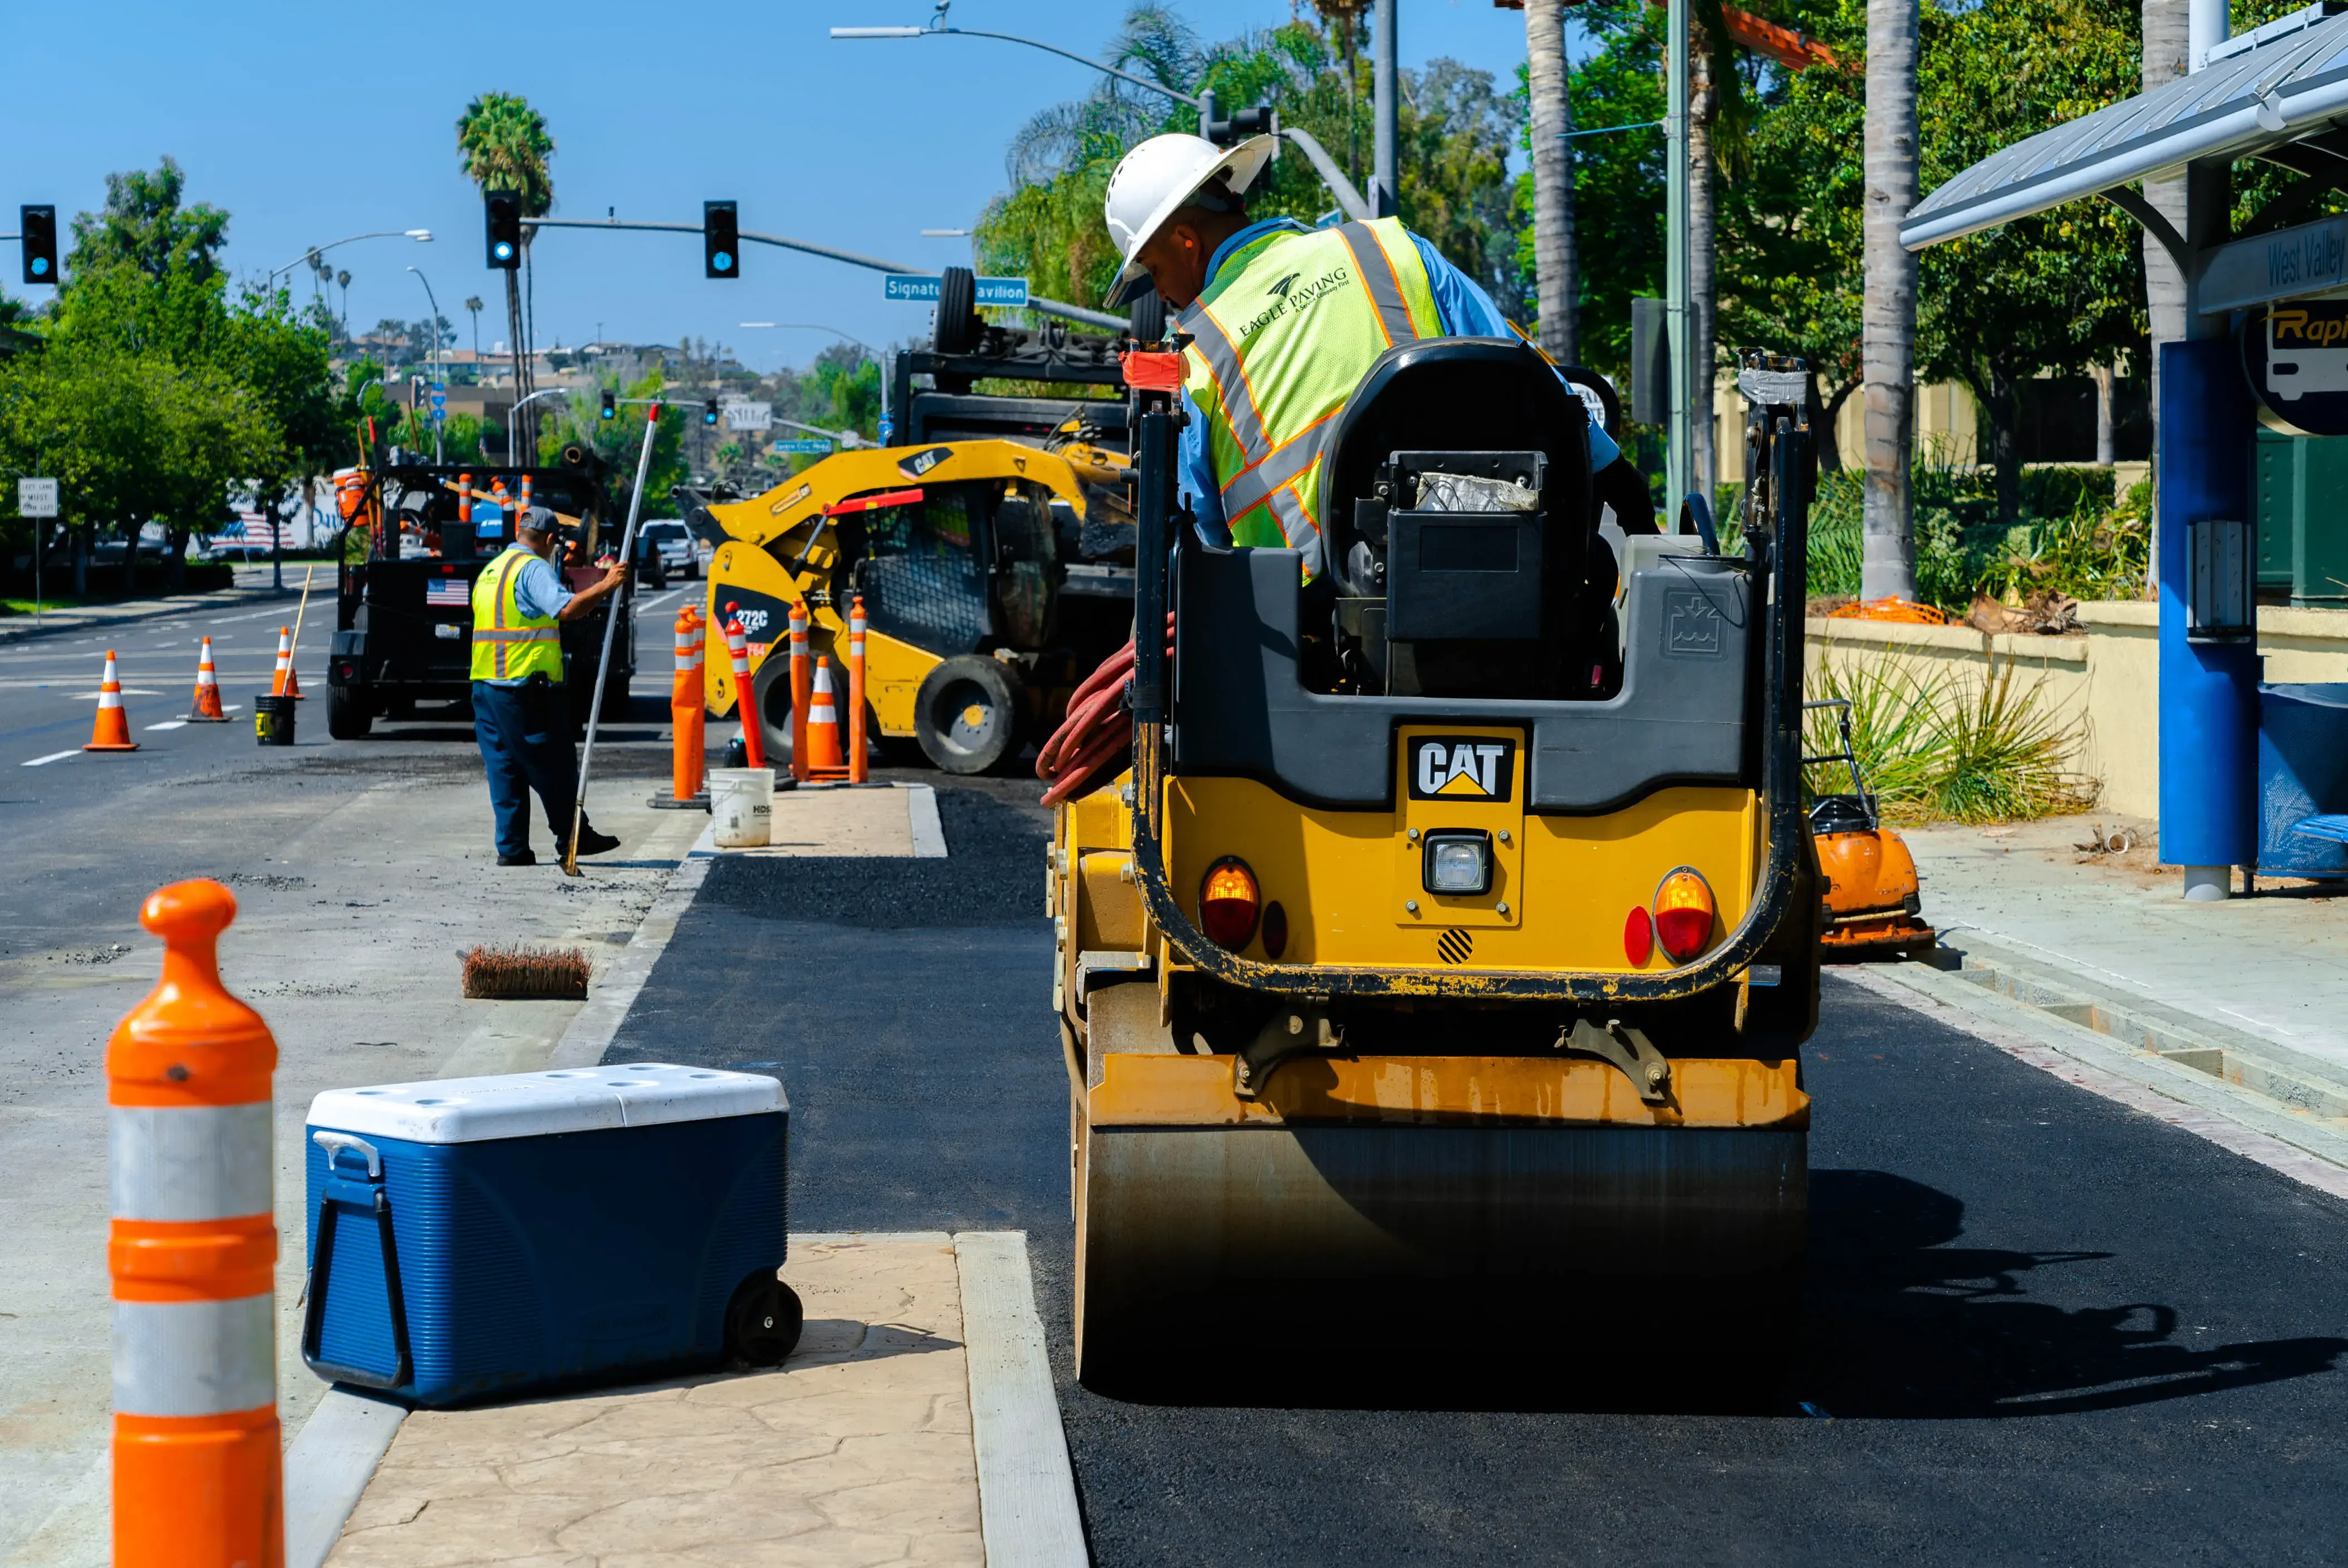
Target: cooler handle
point(313, 1317)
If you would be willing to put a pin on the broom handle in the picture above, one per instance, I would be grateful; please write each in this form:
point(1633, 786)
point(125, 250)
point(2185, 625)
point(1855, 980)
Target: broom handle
point(300, 611)
point(611, 625)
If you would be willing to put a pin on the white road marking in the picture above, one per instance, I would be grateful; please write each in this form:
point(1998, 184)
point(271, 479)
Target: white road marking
point(170, 723)
point(52, 757)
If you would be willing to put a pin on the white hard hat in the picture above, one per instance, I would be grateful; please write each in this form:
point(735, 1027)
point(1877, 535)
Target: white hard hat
point(1157, 177)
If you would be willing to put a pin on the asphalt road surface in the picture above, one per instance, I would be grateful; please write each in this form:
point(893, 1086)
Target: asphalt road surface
point(79, 862)
point(2040, 1328)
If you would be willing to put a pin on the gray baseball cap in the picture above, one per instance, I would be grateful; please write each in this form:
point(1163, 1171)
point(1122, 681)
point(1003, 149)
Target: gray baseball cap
point(539, 519)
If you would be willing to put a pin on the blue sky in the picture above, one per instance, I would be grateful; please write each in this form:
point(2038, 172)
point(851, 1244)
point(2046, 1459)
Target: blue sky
point(310, 122)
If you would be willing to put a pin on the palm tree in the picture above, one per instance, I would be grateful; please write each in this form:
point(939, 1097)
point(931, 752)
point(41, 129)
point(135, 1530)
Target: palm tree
point(1704, 247)
point(1557, 266)
point(504, 145)
point(1887, 308)
point(473, 309)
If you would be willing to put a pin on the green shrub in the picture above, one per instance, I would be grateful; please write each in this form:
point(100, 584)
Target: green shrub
point(1959, 746)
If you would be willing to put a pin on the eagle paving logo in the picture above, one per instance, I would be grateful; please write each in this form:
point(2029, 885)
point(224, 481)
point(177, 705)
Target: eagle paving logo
point(1462, 768)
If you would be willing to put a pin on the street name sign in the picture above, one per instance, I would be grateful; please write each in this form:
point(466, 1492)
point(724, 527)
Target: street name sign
point(812, 445)
point(1010, 294)
point(747, 416)
point(36, 498)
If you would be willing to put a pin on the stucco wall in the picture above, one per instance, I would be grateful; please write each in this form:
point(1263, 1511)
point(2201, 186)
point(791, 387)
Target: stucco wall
point(2104, 681)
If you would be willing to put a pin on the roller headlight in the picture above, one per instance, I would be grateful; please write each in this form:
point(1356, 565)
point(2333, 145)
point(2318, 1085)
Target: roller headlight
point(1458, 865)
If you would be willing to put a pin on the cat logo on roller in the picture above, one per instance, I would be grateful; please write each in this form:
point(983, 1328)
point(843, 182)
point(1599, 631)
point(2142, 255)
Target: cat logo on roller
point(1461, 768)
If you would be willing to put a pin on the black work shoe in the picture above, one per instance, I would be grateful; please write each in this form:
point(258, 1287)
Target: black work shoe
point(591, 843)
point(523, 858)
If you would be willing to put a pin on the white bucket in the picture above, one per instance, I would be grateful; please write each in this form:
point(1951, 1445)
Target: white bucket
point(742, 807)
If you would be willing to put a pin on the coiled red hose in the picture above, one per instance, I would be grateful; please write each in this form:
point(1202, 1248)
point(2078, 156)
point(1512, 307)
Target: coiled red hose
point(1092, 742)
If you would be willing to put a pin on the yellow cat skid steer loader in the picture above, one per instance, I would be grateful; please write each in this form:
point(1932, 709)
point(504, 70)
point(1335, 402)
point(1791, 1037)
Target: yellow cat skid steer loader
point(1452, 935)
point(966, 555)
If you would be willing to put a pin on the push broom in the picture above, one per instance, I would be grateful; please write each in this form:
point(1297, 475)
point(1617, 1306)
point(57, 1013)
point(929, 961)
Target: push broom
point(611, 624)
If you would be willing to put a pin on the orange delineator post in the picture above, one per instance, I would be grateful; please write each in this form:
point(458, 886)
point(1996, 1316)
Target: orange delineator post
point(198, 1472)
point(206, 709)
point(824, 761)
point(746, 704)
point(802, 690)
point(685, 712)
point(857, 767)
point(109, 730)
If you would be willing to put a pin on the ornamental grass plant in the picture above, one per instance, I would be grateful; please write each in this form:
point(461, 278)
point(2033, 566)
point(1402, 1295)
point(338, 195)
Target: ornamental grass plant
point(1955, 746)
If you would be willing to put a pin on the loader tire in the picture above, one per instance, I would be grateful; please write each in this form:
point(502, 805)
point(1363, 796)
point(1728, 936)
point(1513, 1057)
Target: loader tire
point(966, 714)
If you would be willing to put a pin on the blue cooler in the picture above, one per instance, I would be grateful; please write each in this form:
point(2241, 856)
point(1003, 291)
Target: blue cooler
point(494, 1235)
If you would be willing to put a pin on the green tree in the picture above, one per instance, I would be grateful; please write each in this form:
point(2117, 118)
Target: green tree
point(145, 225)
point(2062, 290)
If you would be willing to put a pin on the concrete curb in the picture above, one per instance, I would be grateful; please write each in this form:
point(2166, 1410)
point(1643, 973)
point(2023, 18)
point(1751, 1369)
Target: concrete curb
point(2235, 1120)
point(58, 623)
point(333, 1458)
point(582, 1044)
point(1027, 1490)
point(929, 833)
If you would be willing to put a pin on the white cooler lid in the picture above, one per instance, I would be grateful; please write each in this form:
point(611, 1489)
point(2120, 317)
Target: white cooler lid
point(526, 1105)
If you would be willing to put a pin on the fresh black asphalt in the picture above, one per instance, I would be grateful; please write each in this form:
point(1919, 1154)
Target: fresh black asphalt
point(2041, 1329)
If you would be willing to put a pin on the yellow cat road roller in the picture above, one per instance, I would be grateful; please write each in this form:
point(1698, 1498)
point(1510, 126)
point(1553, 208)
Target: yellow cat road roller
point(969, 556)
point(1450, 939)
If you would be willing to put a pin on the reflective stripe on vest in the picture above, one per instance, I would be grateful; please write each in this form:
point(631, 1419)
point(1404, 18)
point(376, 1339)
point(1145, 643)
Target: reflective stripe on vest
point(1270, 376)
point(507, 643)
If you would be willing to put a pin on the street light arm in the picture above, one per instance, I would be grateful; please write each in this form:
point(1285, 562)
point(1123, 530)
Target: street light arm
point(1330, 175)
point(1143, 82)
point(847, 439)
point(419, 235)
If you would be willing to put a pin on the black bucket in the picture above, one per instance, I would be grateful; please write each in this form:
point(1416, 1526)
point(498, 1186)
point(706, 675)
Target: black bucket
point(272, 719)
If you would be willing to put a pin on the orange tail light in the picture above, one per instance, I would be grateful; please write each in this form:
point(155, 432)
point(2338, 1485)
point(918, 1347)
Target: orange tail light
point(1683, 914)
point(1228, 903)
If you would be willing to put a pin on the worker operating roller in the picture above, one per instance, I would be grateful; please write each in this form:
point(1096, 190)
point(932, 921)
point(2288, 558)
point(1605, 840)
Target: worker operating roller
point(1285, 320)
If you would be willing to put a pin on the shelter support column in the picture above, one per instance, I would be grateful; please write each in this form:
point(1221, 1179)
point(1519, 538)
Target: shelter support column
point(2208, 691)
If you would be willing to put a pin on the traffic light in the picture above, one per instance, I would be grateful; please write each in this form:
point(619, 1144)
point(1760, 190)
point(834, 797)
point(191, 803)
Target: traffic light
point(1262, 120)
point(38, 225)
point(721, 243)
point(709, 410)
point(610, 408)
point(503, 209)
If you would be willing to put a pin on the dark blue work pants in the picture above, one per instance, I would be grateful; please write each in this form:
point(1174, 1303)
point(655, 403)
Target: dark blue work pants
point(524, 733)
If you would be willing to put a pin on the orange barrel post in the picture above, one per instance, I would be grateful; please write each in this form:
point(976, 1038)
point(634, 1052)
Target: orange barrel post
point(684, 715)
point(856, 764)
point(197, 1477)
point(802, 689)
point(521, 505)
point(746, 705)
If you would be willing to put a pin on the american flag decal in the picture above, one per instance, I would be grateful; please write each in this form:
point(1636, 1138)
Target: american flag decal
point(447, 592)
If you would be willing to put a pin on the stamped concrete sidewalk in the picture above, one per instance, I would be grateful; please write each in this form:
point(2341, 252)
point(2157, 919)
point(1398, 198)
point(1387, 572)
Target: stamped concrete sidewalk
point(857, 1449)
point(2269, 965)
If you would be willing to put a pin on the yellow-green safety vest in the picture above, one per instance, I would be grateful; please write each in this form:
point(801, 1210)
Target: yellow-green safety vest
point(507, 644)
point(1279, 341)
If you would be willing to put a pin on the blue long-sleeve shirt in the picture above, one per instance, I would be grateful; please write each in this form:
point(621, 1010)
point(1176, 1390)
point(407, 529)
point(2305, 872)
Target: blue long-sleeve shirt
point(1461, 307)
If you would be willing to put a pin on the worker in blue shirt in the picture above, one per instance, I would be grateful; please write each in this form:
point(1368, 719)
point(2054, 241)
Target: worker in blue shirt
point(521, 714)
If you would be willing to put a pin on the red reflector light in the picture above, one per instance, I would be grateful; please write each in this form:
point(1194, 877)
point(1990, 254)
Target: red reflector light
point(1683, 915)
point(1228, 903)
point(1638, 938)
point(1275, 930)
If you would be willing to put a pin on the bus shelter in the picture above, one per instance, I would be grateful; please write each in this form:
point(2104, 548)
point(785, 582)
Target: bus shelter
point(2266, 341)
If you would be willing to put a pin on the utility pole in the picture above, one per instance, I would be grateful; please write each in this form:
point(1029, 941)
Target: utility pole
point(1679, 316)
point(1384, 188)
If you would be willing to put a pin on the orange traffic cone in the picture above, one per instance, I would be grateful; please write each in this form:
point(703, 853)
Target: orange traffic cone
point(285, 685)
point(206, 709)
point(825, 758)
point(111, 731)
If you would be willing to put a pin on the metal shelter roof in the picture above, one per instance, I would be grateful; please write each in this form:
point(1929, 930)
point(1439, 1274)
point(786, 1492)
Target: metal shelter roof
point(2279, 90)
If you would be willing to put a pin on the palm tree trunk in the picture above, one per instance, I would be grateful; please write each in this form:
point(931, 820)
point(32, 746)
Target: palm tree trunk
point(1888, 345)
point(1557, 282)
point(1704, 104)
point(2165, 25)
point(514, 413)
